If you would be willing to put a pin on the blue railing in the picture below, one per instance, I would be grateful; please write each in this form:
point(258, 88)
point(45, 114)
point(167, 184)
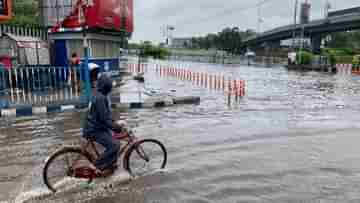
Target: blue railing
point(42, 84)
point(40, 77)
point(47, 84)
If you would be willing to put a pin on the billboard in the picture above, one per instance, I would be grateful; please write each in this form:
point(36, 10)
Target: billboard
point(5, 10)
point(54, 12)
point(110, 14)
point(106, 14)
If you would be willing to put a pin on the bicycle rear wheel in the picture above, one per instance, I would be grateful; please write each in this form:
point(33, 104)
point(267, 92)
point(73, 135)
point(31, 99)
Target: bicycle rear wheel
point(145, 156)
point(59, 168)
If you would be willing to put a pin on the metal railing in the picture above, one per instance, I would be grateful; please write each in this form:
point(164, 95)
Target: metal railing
point(38, 32)
point(41, 84)
point(40, 77)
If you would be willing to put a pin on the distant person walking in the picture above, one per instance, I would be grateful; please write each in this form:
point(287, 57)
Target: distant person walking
point(75, 59)
point(74, 64)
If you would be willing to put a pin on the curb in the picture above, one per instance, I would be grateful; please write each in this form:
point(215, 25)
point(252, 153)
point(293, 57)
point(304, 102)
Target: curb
point(24, 111)
point(31, 111)
point(158, 104)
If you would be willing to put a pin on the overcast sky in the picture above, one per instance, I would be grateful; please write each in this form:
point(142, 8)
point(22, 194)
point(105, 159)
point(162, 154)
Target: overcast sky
point(199, 17)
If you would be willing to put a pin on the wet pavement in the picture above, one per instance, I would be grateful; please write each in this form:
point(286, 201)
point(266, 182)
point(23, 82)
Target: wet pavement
point(293, 138)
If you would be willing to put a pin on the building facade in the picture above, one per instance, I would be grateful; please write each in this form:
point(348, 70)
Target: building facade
point(180, 43)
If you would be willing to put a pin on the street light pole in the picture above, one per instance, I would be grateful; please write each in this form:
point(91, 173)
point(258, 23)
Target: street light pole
point(86, 58)
point(169, 29)
point(327, 7)
point(295, 26)
point(259, 17)
point(301, 43)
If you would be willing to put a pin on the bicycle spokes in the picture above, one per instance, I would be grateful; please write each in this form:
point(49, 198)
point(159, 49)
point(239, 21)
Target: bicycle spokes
point(62, 169)
point(146, 157)
point(141, 152)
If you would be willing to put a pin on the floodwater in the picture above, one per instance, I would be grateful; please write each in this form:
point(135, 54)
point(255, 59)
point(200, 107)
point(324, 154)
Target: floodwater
point(293, 138)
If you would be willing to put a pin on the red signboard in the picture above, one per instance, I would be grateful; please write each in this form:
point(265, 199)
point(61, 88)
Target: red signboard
point(5, 10)
point(107, 14)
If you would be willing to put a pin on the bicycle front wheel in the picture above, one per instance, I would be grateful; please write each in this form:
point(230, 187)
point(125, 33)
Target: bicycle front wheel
point(59, 168)
point(145, 156)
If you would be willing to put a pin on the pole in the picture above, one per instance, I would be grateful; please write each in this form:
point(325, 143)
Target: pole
point(301, 43)
point(295, 19)
point(139, 55)
point(37, 52)
point(87, 90)
point(258, 20)
point(327, 7)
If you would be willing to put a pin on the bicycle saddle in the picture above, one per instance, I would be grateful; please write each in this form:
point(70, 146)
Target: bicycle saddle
point(119, 125)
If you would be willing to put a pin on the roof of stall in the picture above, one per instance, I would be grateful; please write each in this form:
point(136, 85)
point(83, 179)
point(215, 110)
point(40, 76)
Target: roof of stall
point(27, 42)
point(19, 38)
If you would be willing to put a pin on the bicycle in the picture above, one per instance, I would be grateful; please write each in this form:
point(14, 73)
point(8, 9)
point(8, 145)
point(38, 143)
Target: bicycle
point(136, 152)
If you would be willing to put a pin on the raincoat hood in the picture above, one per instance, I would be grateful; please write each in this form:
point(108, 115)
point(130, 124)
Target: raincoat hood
point(104, 84)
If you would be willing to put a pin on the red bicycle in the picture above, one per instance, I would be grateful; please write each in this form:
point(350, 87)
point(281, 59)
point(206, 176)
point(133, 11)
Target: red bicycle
point(140, 156)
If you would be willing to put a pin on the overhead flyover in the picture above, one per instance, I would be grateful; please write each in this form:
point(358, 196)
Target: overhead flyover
point(338, 21)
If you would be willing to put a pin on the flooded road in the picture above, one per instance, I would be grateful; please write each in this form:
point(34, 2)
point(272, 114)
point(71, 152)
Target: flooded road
point(293, 138)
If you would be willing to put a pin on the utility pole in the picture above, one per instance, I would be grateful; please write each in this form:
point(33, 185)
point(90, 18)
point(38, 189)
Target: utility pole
point(259, 18)
point(168, 32)
point(295, 26)
point(123, 20)
point(86, 56)
point(301, 43)
point(326, 10)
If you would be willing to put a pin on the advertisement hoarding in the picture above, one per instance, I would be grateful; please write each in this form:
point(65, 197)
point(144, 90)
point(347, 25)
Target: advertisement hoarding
point(110, 14)
point(5, 10)
point(106, 14)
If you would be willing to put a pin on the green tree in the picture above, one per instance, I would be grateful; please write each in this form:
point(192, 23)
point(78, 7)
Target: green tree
point(229, 40)
point(349, 40)
point(25, 13)
point(304, 57)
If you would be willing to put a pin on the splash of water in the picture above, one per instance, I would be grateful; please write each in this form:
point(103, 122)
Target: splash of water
point(68, 184)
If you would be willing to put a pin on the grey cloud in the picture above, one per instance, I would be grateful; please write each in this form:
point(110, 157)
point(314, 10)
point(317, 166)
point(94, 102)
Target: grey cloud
point(199, 17)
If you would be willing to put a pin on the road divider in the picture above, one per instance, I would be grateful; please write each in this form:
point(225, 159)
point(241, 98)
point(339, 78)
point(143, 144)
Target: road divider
point(348, 69)
point(232, 87)
point(344, 69)
point(29, 110)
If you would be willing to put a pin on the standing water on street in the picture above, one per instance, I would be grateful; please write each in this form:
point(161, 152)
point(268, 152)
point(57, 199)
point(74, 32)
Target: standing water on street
point(128, 101)
point(293, 137)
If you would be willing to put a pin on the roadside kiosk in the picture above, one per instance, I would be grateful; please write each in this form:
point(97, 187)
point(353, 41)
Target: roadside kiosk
point(103, 26)
point(104, 51)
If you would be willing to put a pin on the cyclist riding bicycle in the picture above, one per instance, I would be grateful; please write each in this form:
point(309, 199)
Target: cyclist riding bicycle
point(99, 124)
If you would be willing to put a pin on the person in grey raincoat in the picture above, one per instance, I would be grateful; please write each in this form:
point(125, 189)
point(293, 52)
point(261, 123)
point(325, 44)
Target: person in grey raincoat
point(99, 124)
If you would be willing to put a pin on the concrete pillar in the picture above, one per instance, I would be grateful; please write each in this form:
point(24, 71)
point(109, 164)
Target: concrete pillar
point(274, 45)
point(316, 44)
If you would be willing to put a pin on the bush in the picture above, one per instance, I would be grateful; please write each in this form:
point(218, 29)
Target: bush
point(304, 57)
point(344, 59)
point(356, 60)
point(332, 58)
point(153, 51)
point(339, 51)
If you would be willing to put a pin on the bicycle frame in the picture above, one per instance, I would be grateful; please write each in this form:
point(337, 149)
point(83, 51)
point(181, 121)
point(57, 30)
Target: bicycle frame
point(131, 139)
point(83, 167)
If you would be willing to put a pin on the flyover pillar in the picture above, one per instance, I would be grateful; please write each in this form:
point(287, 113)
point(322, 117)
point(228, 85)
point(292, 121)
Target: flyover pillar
point(275, 44)
point(316, 44)
point(271, 47)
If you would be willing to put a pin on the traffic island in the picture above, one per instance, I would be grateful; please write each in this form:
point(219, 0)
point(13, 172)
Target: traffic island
point(28, 110)
point(157, 104)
